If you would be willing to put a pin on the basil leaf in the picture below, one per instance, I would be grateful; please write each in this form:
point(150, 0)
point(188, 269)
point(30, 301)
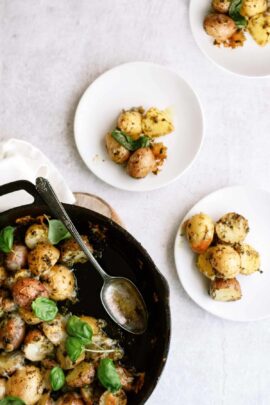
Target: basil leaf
point(74, 347)
point(6, 239)
point(234, 13)
point(11, 401)
point(57, 378)
point(128, 142)
point(77, 328)
point(57, 231)
point(108, 376)
point(44, 308)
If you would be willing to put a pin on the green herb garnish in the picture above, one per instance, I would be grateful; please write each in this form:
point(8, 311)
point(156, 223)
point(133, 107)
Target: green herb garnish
point(234, 13)
point(108, 375)
point(128, 142)
point(6, 239)
point(57, 378)
point(57, 231)
point(11, 401)
point(74, 347)
point(78, 328)
point(44, 308)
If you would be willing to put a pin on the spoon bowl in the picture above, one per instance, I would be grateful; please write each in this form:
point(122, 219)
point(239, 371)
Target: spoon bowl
point(119, 296)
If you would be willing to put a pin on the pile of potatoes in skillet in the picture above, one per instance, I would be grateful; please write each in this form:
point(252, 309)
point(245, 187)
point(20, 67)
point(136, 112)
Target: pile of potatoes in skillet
point(132, 143)
point(222, 253)
point(230, 19)
point(47, 354)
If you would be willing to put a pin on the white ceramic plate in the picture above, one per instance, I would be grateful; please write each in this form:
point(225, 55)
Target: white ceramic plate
point(255, 206)
point(249, 60)
point(131, 85)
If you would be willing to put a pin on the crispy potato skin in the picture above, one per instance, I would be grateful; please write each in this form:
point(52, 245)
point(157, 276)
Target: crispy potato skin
point(28, 316)
point(117, 152)
point(130, 122)
point(35, 234)
point(12, 331)
point(71, 398)
point(249, 259)
point(71, 253)
point(252, 7)
point(61, 283)
point(27, 384)
point(36, 346)
point(55, 330)
point(221, 6)
point(141, 163)
point(219, 26)
point(225, 290)
point(157, 123)
point(259, 28)
point(226, 261)
point(26, 290)
point(17, 258)
point(42, 258)
point(199, 232)
point(10, 362)
point(64, 360)
point(81, 375)
point(204, 265)
point(232, 228)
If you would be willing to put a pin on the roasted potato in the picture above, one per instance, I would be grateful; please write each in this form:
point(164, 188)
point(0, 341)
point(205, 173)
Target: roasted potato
point(225, 260)
point(42, 258)
point(141, 163)
point(6, 303)
point(13, 277)
point(26, 290)
point(12, 331)
point(71, 253)
point(157, 123)
point(95, 324)
point(64, 360)
point(259, 28)
point(199, 232)
point(232, 228)
point(70, 398)
point(55, 330)
point(117, 398)
point(61, 283)
point(35, 234)
point(3, 276)
point(222, 6)
point(130, 122)
point(249, 259)
point(45, 399)
point(117, 152)
point(88, 394)
point(26, 384)
point(225, 290)
point(82, 374)
point(36, 346)
point(3, 382)
point(17, 258)
point(204, 265)
point(10, 362)
point(219, 26)
point(29, 317)
point(252, 7)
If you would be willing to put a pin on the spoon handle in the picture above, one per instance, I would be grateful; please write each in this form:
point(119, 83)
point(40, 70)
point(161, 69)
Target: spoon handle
point(47, 193)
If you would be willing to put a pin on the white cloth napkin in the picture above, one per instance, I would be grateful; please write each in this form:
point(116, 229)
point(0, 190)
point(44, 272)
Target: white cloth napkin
point(19, 160)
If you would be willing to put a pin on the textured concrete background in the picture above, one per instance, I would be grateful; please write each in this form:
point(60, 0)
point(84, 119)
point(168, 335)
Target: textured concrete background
point(50, 52)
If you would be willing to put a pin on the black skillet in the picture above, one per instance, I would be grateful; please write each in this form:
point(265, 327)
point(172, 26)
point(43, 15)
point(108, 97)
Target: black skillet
point(120, 255)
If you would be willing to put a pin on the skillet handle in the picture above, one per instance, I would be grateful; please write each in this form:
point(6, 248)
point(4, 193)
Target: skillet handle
point(21, 185)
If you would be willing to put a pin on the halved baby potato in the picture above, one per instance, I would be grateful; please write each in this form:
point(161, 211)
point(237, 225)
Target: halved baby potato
point(225, 260)
point(259, 28)
point(225, 290)
point(157, 123)
point(42, 258)
point(232, 228)
point(252, 7)
point(204, 265)
point(249, 259)
point(199, 232)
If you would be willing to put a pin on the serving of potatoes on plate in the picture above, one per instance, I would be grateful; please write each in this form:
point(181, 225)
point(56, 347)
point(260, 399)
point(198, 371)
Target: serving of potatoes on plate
point(221, 252)
point(132, 143)
point(230, 19)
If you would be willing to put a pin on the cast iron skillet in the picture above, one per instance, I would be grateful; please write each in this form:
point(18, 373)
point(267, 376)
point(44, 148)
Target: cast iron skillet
point(121, 255)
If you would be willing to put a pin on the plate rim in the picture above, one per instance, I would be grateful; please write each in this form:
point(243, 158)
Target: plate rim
point(176, 247)
point(164, 68)
point(215, 63)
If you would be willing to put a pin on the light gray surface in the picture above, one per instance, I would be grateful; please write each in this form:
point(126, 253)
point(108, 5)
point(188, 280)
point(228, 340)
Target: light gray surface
point(50, 52)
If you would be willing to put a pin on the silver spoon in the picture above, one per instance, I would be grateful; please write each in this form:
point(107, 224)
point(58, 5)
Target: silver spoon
point(119, 296)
